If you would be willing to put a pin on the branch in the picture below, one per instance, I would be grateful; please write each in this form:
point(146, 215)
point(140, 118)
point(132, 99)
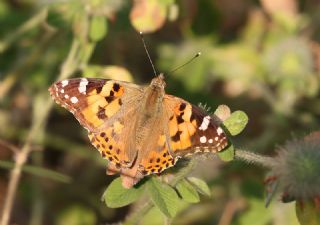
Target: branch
point(9, 146)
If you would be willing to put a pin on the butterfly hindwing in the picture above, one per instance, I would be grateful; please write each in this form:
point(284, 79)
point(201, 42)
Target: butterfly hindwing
point(155, 156)
point(116, 142)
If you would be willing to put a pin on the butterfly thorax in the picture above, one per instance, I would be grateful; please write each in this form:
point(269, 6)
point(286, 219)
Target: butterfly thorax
point(151, 108)
point(154, 95)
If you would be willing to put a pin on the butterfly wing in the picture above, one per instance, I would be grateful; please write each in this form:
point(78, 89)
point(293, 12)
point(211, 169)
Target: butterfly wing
point(191, 130)
point(183, 129)
point(155, 156)
point(103, 107)
point(95, 101)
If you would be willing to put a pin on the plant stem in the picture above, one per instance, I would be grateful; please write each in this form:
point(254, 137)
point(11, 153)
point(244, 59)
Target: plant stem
point(37, 124)
point(253, 158)
point(136, 216)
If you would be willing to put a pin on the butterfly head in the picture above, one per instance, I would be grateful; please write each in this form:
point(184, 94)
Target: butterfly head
point(158, 82)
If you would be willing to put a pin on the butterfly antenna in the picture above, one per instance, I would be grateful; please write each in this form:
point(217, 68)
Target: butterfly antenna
point(145, 48)
point(186, 63)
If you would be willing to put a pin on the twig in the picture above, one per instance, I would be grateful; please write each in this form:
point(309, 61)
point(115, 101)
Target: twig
point(228, 213)
point(9, 146)
point(136, 216)
point(167, 221)
point(253, 158)
point(22, 155)
point(21, 158)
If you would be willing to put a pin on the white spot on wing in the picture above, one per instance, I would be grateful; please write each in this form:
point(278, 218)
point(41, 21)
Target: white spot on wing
point(210, 141)
point(62, 91)
point(64, 83)
point(66, 96)
point(83, 85)
point(219, 131)
point(205, 123)
point(203, 139)
point(216, 138)
point(74, 99)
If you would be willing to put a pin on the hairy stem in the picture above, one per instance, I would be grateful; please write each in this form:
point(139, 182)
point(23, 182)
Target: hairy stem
point(253, 158)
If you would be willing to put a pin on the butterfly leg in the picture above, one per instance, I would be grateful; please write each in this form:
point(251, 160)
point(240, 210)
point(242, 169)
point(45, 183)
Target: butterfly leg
point(112, 169)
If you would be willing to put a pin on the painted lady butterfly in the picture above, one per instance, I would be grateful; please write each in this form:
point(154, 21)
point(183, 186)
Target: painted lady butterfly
point(139, 130)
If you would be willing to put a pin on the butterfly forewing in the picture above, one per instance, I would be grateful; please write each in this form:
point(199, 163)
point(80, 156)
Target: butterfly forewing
point(93, 101)
point(98, 106)
point(191, 130)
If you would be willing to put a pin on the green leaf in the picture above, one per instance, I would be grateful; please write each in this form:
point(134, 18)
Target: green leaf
point(163, 196)
point(98, 28)
point(228, 154)
point(308, 213)
point(187, 191)
point(117, 196)
point(236, 122)
point(200, 185)
point(38, 171)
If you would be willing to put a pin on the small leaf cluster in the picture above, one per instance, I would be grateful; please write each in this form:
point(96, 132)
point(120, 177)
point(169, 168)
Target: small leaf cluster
point(163, 195)
point(234, 125)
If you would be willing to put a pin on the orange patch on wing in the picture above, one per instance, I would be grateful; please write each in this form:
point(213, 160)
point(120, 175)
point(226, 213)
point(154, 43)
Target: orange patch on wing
point(187, 128)
point(97, 101)
point(162, 140)
point(173, 126)
point(107, 87)
point(117, 127)
point(90, 114)
point(108, 147)
point(112, 108)
point(157, 161)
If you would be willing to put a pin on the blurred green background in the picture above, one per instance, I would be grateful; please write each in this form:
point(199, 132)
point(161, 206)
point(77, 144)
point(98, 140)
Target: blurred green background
point(262, 57)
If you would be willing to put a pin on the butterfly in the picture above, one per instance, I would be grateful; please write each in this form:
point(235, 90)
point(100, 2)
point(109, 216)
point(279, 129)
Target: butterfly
point(140, 130)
